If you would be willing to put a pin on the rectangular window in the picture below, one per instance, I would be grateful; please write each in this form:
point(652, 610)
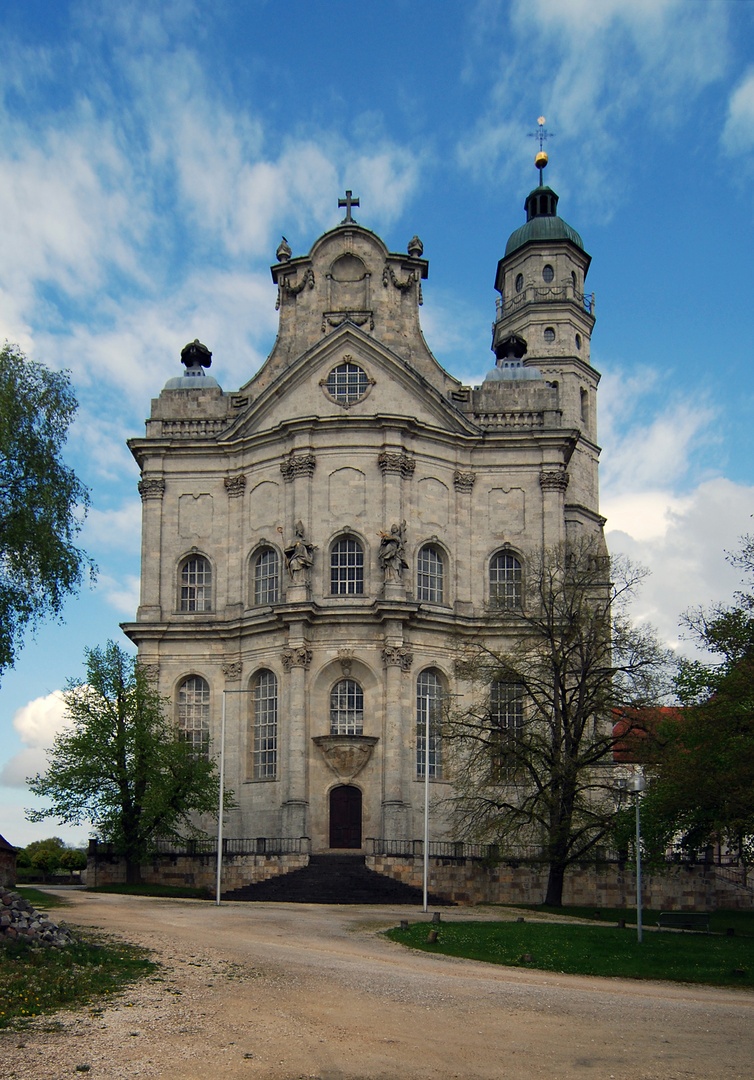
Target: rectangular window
point(265, 727)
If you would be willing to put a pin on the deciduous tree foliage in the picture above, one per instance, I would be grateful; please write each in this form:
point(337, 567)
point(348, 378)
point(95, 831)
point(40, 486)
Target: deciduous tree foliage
point(40, 498)
point(700, 759)
point(121, 765)
point(576, 660)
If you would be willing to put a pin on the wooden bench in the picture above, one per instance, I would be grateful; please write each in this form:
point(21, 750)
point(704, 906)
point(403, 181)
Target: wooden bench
point(683, 920)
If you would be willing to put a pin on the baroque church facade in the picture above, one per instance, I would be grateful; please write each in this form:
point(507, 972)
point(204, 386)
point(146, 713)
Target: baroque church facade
point(317, 543)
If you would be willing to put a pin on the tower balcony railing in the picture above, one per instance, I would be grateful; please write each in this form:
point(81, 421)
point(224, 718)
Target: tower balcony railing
point(545, 294)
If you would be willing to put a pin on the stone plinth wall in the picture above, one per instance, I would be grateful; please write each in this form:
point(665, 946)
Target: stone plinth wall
point(473, 881)
point(196, 871)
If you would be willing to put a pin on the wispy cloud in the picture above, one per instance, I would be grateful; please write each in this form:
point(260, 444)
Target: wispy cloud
point(37, 724)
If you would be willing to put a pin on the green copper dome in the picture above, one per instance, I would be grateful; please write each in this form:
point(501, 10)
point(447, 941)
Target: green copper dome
point(542, 222)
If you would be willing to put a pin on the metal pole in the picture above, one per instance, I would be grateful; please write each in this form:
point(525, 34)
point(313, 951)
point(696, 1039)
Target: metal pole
point(638, 870)
point(220, 806)
point(425, 875)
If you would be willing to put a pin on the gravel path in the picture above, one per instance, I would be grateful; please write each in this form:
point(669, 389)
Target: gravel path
point(283, 991)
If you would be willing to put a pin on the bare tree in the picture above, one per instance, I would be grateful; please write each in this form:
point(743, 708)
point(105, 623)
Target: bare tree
point(532, 755)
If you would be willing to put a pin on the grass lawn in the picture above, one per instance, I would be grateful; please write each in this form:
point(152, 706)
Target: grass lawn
point(178, 892)
point(39, 899)
point(741, 922)
point(34, 981)
point(593, 950)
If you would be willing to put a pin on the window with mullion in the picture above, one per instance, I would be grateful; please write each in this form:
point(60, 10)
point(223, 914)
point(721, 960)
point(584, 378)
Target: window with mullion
point(347, 568)
point(346, 708)
point(505, 581)
point(429, 695)
point(265, 704)
point(266, 577)
point(193, 713)
point(196, 585)
point(429, 576)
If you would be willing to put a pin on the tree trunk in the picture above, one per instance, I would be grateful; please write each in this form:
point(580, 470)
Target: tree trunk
point(554, 896)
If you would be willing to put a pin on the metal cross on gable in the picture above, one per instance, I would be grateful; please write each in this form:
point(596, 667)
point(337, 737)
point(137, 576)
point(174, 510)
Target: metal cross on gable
point(348, 202)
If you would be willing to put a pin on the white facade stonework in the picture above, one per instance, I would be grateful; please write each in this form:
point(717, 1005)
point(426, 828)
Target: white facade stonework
point(300, 460)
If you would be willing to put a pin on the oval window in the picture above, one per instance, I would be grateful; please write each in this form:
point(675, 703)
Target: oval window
point(548, 273)
point(549, 334)
point(578, 341)
point(519, 282)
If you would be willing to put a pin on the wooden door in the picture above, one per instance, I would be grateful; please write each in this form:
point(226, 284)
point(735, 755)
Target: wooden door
point(345, 817)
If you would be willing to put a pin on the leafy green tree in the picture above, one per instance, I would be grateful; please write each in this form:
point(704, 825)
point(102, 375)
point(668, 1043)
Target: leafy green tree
point(532, 756)
point(41, 499)
point(73, 859)
point(45, 855)
point(700, 758)
point(121, 765)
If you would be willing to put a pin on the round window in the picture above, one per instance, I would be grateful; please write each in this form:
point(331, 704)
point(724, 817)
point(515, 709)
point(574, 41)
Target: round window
point(578, 341)
point(549, 334)
point(548, 273)
point(346, 383)
point(519, 282)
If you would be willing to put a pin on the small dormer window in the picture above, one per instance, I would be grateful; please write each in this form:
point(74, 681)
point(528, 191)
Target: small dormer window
point(548, 273)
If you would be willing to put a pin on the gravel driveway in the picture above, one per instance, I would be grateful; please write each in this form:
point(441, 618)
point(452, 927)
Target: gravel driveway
point(283, 991)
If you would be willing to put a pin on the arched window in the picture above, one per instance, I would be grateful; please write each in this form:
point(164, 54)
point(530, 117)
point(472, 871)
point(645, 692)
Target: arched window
point(265, 717)
point(196, 585)
point(505, 581)
point(346, 708)
point(347, 568)
point(429, 695)
point(266, 577)
point(193, 713)
point(429, 575)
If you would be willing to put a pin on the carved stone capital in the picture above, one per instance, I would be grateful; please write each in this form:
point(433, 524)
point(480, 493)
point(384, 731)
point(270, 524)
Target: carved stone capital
point(554, 480)
point(298, 657)
point(398, 656)
point(232, 670)
point(151, 487)
point(152, 671)
point(400, 463)
point(235, 486)
point(297, 465)
point(464, 481)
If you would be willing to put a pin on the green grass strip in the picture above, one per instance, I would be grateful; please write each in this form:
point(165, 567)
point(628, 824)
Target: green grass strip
point(592, 950)
point(34, 980)
point(42, 900)
point(741, 922)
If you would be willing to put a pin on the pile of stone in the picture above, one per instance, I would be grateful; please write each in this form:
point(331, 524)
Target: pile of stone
point(20, 921)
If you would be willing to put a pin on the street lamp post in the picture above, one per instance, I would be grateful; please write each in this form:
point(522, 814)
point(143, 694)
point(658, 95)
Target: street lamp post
point(637, 783)
point(219, 874)
point(425, 873)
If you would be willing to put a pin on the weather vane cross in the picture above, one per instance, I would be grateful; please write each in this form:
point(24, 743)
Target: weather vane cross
point(543, 135)
point(348, 202)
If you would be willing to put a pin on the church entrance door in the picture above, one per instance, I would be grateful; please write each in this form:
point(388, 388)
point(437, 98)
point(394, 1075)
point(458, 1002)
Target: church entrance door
point(345, 817)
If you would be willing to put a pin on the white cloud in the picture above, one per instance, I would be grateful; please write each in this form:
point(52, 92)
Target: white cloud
point(122, 594)
point(738, 133)
point(37, 724)
point(589, 66)
point(683, 542)
point(118, 528)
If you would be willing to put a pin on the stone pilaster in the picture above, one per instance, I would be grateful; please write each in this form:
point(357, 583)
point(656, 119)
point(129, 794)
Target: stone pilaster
point(235, 486)
point(554, 482)
point(397, 659)
point(151, 489)
point(296, 659)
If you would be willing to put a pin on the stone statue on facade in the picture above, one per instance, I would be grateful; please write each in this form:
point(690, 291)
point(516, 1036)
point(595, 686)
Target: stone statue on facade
point(298, 556)
point(392, 550)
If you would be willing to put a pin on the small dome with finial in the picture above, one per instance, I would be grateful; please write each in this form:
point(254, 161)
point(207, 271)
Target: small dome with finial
point(196, 357)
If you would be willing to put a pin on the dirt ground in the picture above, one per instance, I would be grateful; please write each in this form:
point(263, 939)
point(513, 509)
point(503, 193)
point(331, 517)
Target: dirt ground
point(283, 991)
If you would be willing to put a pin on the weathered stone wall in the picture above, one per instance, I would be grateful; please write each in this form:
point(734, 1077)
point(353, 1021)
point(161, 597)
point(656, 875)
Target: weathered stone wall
point(196, 871)
point(472, 881)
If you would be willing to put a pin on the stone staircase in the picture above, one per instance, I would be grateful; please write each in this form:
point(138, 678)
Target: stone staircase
point(333, 879)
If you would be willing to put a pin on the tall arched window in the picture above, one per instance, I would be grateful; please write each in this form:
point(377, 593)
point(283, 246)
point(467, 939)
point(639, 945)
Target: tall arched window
point(265, 718)
point(505, 580)
point(429, 575)
point(193, 713)
point(196, 585)
point(347, 567)
point(266, 577)
point(429, 695)
point(346, 708)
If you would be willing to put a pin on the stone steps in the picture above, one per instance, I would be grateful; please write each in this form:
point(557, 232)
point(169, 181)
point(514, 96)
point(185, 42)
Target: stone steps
point(333, 879)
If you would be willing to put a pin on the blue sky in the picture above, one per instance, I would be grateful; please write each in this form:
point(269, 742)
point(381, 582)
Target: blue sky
point(151, 156)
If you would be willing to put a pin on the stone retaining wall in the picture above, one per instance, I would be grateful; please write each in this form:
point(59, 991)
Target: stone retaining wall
point(196, 871)
point(473, 881)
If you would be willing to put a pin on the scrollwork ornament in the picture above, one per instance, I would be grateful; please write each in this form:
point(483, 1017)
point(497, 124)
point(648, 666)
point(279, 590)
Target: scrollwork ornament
point(235, 486)
point(398, 656)
point(298, 657)
point(464, 481)
point(232, 670)
point(151, 487)
point(554, 480)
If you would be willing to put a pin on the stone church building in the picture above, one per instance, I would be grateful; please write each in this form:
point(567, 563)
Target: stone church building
point(317, 541)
